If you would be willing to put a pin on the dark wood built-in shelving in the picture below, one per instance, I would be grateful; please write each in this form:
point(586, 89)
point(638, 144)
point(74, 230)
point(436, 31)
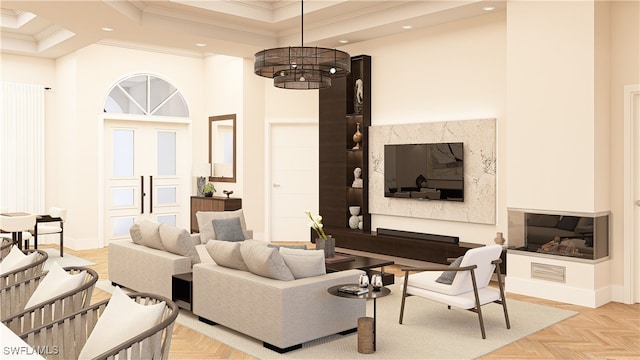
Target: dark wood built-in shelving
point(337, 160)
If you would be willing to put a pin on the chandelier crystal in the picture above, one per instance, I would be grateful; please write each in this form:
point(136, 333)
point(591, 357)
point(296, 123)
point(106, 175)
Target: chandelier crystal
point(302, 67)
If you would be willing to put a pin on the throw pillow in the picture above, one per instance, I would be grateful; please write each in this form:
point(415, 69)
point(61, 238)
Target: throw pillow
point(447, 276)
point(227, 254)
point(303, 247)
point(178, 241)
point(265, 261)
point(57, 282)
point(228, 229)
point(136, 235)
point(122, 319)
point(150, 233)
point(205, 224)
point(304, 263)
point(16, 259)
point(203, 254)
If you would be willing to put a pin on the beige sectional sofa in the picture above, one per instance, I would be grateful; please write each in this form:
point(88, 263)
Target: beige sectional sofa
point(144, 269)
point(282, 314)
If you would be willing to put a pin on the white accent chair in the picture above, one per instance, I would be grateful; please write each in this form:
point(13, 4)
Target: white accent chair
point(469, 289)
point(15, 315)
point(71, 333)
point(27, 271)
point(52, 227)
point(17, 227)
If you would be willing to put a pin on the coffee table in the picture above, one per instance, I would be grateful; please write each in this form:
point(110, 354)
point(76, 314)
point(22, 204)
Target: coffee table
point(362, 263)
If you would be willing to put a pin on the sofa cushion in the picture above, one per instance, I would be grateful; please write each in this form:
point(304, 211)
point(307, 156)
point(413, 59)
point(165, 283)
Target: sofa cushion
point(146, 233)
point(228, 229)
point(447, 276)
point(55, 283)
point(265, 261)
point(227, 254)
point(304, 263)
point(122, 319)
point(179, 242)
point(16, 259)
point(205, 224)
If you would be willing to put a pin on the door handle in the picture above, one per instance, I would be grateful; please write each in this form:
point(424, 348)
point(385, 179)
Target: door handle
point(142, 194)
point(150, 194)
point(276, 185)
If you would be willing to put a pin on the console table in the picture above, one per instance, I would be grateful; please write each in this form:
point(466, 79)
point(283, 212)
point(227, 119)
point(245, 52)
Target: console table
point(213, 203)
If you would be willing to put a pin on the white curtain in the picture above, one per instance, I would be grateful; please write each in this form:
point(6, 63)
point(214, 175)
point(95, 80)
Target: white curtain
point(22, 148)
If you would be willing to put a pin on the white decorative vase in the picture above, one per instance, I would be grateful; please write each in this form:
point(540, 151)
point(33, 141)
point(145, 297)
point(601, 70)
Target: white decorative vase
point(354, 219)
point(353, 222)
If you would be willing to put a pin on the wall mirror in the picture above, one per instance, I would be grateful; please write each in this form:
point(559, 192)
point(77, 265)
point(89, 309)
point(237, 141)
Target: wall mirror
point(222, 148)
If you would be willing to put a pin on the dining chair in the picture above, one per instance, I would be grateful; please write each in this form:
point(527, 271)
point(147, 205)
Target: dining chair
point(51, 225)
point(17, 227)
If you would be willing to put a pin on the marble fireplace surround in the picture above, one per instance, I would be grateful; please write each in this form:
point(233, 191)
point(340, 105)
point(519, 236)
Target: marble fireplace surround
point(479, 138)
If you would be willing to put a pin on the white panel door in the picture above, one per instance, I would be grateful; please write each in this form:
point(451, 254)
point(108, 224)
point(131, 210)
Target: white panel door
point(146, 175)
point(294, 180)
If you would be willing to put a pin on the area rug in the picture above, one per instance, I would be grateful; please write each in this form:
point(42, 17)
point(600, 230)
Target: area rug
point(66, 260)
point(430, 331)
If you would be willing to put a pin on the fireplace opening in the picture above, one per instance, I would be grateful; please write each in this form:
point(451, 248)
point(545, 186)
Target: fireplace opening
point(562, 234)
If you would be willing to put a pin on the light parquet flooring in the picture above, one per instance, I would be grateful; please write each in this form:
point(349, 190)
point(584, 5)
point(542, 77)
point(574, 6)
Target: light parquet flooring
point(611, 331)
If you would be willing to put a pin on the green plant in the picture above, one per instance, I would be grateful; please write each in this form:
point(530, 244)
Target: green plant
point(209, 188)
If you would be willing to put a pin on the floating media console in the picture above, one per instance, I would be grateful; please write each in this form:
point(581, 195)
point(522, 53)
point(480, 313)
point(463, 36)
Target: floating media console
point(419, 236)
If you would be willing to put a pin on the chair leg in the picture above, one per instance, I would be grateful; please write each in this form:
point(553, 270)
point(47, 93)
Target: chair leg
point(404, 296)
point(503, 299)
point(478, 307)
point(61, 243)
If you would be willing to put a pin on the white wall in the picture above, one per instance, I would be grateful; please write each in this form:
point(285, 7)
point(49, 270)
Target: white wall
point(551, 106)
point(454, 71)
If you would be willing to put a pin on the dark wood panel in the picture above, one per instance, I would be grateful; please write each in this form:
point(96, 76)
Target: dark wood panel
point(423, 250)
point(214, 203)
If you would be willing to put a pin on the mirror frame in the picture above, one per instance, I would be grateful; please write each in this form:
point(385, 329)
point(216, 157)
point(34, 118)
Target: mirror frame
point(222, 118)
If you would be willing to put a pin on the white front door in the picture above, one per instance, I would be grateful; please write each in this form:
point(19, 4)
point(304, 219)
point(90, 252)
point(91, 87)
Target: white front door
point(146, 175)
point(294, 180)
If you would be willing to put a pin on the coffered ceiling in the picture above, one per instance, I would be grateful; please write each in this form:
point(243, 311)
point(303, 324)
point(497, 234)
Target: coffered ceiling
point(234, 27)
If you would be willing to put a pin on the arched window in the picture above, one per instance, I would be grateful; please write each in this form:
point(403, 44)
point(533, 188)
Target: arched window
point(146, 95)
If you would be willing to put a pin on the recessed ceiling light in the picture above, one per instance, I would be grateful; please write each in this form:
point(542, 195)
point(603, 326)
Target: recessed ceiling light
point(343, 41)
point(488, 8)
point(201, 44)
point(407, 27)
point(106, 28)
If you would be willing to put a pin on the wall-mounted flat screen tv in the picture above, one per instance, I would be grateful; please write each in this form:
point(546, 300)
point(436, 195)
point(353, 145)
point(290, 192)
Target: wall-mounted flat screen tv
point(424, 171)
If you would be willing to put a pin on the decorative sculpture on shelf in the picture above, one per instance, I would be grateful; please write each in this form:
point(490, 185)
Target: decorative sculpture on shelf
point(357, 180)
point(227, 192)
point(353, 220)
point(357, 137)
point(358, 96)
